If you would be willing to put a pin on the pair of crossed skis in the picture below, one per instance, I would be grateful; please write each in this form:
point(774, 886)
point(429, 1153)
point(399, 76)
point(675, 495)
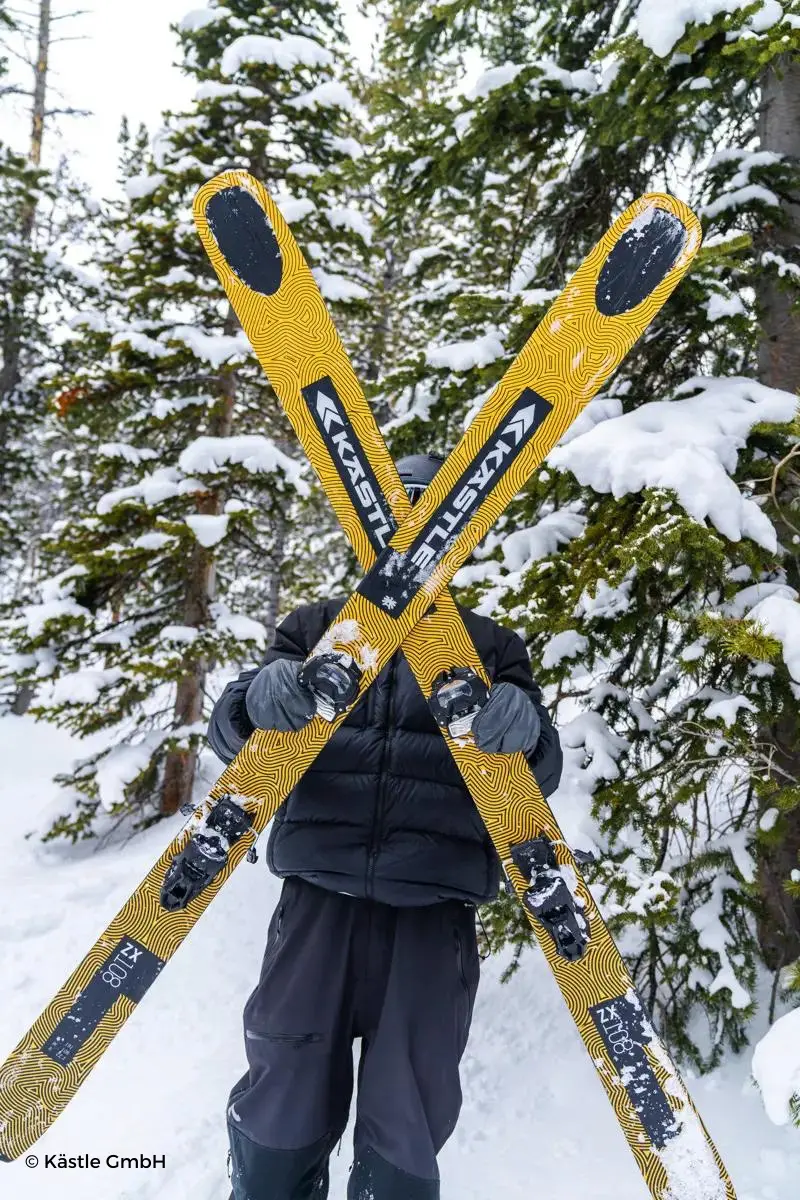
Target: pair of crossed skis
point(585, 335)
point(411, 553)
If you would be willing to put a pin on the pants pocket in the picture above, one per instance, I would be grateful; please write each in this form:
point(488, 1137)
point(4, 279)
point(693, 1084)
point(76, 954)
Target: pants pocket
point(283, 1039)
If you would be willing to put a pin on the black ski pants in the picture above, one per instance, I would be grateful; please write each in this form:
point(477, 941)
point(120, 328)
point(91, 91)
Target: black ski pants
point(338, 967)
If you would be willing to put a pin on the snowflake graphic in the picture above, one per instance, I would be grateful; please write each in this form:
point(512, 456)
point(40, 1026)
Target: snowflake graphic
point(389, 602)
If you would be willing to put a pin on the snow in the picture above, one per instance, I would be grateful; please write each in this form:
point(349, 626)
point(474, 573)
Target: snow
point(768, 819)
point(726, 708)
point(419, 256)
point(770, 13)
point(712, 935)
point(597, 742)
point(526, 546)
point(330, 94)
point(348, 146)
point(198, 18)
point(296, 210)
point(152, 541)
point(691, 1171)
point(608, 600)
point(746, 160)
point(689, 445)
point(238, 626)
point(779, 617)
point(463, 356)
point(130, 454)
point(37, 615)
point(161, 484)
point(567, 644)
point(139, 186)
point(746, 599)
point(213, 348)
point(737, 197)
point(499, 77)
point(782, 266)
point(81, 687)
point(140, 342)
point(118, 767)
point(352, 219)
point(525, 1074)
point(182, 635)
point(336, 287)
point(572, 81)
point(719, 306)
point(660, 25)
point(304, 170)
point(495, 77)
point(209, 530)
point(255, 452)
point(286, 52)
point(776, 1067)
point(212, 90)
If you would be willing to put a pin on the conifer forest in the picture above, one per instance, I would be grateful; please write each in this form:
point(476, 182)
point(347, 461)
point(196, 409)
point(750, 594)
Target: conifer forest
point(445, 166)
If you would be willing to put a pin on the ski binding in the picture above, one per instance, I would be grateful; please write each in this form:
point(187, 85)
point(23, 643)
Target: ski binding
point(333, 678)
point(458, 696)
point(205, 854)
point(549, 898)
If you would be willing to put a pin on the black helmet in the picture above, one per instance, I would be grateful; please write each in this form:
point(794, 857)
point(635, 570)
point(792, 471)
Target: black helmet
point(416, 471)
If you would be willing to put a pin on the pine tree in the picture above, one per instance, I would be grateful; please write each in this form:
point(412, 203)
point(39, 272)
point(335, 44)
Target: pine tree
point(41, 216)
point(184, 503)
point(651, 565)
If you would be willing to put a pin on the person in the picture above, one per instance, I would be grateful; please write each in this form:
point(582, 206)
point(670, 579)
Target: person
point(384, 859)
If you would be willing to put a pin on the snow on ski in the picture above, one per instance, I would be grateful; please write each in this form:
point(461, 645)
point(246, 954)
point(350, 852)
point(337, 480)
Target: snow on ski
point(586, 333)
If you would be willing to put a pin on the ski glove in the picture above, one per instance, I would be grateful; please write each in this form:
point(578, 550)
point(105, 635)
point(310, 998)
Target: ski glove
point(276, 700)
point(508, 721)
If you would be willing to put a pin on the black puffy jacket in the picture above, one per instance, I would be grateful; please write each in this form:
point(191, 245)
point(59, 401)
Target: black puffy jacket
point(383, 811)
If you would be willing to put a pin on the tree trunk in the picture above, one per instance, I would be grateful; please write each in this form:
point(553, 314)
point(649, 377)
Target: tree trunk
point(274, 579)
point(18, 289)
point(180, 765)
point(40, 83)
point(779, 366)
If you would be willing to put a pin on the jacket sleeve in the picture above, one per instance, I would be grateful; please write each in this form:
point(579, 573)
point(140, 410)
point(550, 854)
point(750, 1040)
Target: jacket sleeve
point(230, 726)
point(546, 758)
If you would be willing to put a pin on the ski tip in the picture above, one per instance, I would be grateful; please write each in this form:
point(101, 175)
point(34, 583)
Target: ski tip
point(242, 231)
point(660, 236)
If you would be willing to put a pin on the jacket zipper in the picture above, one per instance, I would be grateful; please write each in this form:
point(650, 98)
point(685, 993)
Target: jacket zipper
point(377, 819)
point(461, 975)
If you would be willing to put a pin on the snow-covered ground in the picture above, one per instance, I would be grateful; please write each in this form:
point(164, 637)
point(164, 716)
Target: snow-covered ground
point(535, 1121)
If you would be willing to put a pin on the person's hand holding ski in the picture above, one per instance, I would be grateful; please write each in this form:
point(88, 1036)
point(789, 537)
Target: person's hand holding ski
point(276, 699)
point(508, 722)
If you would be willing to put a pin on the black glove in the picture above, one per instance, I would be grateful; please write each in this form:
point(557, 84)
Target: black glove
point(508, 721)
point(276, 700)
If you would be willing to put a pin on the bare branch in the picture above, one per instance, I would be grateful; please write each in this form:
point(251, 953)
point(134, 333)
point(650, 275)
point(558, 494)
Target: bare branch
point(68, 112)
point(78, 12)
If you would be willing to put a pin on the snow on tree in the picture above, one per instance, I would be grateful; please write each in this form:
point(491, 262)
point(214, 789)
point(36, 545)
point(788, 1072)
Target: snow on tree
point(187, 516)
point(652, 564)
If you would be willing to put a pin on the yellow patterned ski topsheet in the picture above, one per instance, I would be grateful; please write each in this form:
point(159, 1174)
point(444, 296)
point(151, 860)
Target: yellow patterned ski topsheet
point(565, 362)
point(640, 1079)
